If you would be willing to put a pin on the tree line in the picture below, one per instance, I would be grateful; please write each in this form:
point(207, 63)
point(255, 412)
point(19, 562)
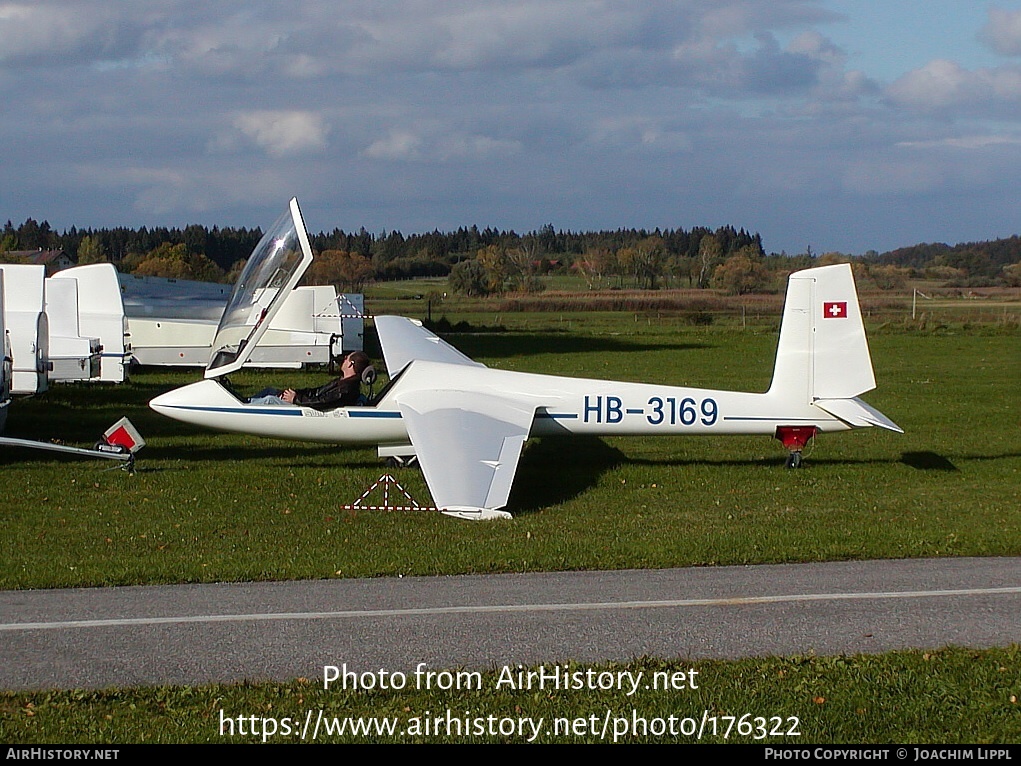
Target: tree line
point(351, 258)
point(491, 261)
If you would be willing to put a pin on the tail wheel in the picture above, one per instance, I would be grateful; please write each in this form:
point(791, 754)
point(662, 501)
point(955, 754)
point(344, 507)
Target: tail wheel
point(794, 438)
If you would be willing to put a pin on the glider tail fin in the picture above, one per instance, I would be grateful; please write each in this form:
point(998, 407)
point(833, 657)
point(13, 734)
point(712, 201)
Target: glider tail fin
point(823, 356)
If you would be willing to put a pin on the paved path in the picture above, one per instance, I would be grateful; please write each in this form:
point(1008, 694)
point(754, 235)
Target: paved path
point(189, 634)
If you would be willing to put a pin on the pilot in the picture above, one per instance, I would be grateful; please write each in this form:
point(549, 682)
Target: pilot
point(340, 392)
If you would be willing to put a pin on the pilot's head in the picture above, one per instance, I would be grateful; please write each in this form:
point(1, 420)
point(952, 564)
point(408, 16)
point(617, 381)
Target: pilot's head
point(355, 363)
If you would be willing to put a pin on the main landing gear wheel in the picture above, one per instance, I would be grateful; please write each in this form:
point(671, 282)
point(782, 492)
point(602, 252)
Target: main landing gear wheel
point(397, 461)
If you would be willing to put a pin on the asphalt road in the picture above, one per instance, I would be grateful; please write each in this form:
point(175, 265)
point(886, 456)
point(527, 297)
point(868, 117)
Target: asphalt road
point(190, 634)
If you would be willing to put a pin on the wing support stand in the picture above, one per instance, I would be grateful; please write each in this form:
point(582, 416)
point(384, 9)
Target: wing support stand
point(385, 482)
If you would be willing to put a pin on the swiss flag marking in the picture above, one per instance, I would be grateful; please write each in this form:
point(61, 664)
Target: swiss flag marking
point(837, 310)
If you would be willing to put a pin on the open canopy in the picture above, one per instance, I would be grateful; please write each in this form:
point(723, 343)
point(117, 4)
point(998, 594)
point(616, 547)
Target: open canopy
point(272, 271)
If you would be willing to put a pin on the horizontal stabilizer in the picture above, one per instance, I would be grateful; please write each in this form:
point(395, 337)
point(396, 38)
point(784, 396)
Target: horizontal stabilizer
point(857, 413)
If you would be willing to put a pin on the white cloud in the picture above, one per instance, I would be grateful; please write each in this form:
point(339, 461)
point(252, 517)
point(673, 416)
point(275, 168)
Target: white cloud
point(810, 66)
point(314, 38)
point(239, 44)
point(599, 41)
point(528, 34)
point(1003, 32)
point(964, 142)
point(942, 84)
point(74, 33)
point(636, 133)
point(430, 144)
point(282, 133)
point(396, 145)
point(474, 147)
point(938, 83)
point(28, 29)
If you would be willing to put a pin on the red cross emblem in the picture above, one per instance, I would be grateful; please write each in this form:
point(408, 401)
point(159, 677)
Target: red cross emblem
point(836, 310)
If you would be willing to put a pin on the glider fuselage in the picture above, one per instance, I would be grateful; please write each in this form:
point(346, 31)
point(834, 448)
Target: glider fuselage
point(563, 405)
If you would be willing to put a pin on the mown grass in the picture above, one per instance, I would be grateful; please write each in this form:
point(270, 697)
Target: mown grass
point(221, 507)
point(213, 507)
point(948, 696)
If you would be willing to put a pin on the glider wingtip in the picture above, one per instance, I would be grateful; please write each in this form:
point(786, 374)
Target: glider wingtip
point(475, 514)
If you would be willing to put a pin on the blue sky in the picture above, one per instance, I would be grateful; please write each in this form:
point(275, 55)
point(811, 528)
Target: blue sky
point(837, 124)
point(889, 39)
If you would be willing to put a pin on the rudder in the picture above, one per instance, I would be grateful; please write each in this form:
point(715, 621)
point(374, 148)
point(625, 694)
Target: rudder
point(822, 352)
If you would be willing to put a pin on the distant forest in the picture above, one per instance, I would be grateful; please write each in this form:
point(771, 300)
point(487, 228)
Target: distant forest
point(486, 261)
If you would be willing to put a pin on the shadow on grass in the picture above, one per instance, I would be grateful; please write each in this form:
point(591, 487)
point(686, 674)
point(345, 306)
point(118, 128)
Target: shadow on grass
point(298, 454)
point(78, 414)
point(927, 461)
point(553, 471)
point(75, 425)
point(924, 461)
point(765, 462)
point(161, 459)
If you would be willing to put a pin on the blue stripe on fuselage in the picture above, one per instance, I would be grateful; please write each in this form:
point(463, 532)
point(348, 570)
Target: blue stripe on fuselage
point(273, 410)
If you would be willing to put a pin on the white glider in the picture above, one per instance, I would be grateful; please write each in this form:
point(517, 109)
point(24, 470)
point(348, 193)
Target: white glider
point(467, 423)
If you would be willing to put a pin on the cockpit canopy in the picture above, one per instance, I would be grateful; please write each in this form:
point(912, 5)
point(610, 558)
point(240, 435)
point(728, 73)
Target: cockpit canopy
point(273, 269)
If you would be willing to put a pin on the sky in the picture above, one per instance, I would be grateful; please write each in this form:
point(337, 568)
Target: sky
point(835, 125)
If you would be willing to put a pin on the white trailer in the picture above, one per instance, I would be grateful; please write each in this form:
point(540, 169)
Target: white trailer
point(5, 361)
point(27, 326)
point(173, 322)
point(101, 314)
point(73, 356)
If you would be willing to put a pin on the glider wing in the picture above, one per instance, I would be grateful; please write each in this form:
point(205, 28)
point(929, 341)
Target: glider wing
point(468, 444)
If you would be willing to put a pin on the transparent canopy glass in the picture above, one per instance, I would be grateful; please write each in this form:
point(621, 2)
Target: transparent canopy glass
point(273, 269)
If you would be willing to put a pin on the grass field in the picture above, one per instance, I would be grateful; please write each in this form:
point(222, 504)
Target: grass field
point(212, 507)
point(220, 507)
